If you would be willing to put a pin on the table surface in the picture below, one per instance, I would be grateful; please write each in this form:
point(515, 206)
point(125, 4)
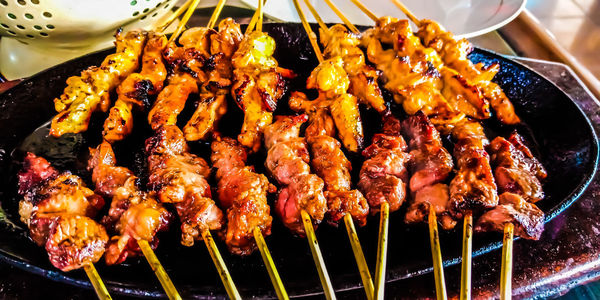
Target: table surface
point(567, 255)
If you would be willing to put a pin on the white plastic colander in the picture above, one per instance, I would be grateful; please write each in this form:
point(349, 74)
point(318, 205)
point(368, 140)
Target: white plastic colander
point(37, 34)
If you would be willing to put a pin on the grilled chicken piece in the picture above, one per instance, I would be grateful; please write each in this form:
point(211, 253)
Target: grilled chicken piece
point(430, 165)
point(133, 215)
point(383, 175)
point(135, 89)
point(410, 71)
point(517, 171)
point(338, 41)
point(213, 92)
point(512, 208)
point(454, 54)
point(332, 82)
point(463, 96)
point(171, 100)
point(57, 208)
point(287, 161)
point(179, 177)
point(90, 91)
point(473, 187)
point(243, 193)
point(258, 86)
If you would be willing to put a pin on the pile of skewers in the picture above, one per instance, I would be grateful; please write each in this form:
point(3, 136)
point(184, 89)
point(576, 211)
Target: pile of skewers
point(440, 91)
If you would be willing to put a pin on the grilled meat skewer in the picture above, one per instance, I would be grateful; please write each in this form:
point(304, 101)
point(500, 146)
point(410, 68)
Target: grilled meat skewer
point(243, 193)
point(179, 177)
point(384, 173)
point(134, 214)
point(135, 89)
point(287, 161)
point(430, 165)
point(518, 175)
point(58, 210)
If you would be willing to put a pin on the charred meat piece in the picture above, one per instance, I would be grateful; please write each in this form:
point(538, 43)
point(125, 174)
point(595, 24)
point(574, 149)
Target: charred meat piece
point(473, 188)
point(57, 208)
point(430, 165)
point(516, 169)
point(90, 91)
point(512, 208)
point(212, 104)
point(134, 214)
point(383, 175)
point(243, 193)
point(179, 177)
point(287, 161)
point(136, 88)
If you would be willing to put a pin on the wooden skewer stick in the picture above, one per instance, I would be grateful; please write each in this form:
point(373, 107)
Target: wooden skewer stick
point(317, 257)
point(407, 12)
point(363, 268)
point(215, 15)
point(365, 10)
point(188, 14)
point(268, 260)
point(260, 15)
point(315, 14)
point(467, 249)
point(96, 281)
point(311, 35)
point(506, 271)
point(172, 17)
point(220, 265)
point(380, 267)
point(339, 13)
point(158, 269)
point(438, 267)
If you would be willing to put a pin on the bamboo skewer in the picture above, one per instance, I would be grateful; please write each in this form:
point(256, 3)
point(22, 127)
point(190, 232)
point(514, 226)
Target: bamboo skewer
point(96, 281)
point(438, 268)
point(313, 11)
point(384, 220)
point(467, 249)
point(311, 35)
point(220, 265)
point(339, 13)
point(158, 269)
point(365, 10)
point(506, 271)
point(268, 260)
point(316, 253)
point(172, 17)
point(407, 12)
point(215, 15)
point(363, 268)
point(188, 14)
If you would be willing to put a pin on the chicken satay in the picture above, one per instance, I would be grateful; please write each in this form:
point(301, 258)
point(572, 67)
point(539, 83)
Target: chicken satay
point(179, 177)
point(384, 174)
point(258, 85)
point(331, 80)
point(512, 208)
point(134, 214)
point(90, 91)
point(213, 92)
point(136, 88)
point(430, 165)
point(243, 193)
point(338, 41)
point(57, 208)
point(287, 162)
point(454, 54)
point(473, 188)
point(516, 169)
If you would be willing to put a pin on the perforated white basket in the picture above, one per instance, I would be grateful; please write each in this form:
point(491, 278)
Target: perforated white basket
point(40, 33)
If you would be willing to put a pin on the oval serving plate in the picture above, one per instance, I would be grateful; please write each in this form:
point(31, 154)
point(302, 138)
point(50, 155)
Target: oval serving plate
point(554, 125)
